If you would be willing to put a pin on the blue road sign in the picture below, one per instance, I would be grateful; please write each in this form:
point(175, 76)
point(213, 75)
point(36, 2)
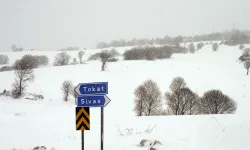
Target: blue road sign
point(92, 101)
point(92, 88)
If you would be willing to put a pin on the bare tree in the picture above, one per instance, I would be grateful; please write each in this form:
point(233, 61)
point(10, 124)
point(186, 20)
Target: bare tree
point(247, 65)
point(104, 58)
point(148, 99)
point(61, 59)
point(80, 55)
point(66, 88)
point(23, 76)
point(215, 102)
point(215, 46)
point(177, 83)
point(182, 102)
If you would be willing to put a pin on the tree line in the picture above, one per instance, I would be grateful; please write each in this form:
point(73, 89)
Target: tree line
point(180, 100)
point(232, 37)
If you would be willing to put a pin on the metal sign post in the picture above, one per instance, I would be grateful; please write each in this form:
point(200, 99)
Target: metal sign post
point(90, 95)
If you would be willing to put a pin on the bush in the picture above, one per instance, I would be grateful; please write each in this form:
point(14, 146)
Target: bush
point(4, 59)
point(74, 61)
point(215, 102)
point(149, 53)
point(241, 46)
point(215, 46)
point(6, 68)
point(43, 60)
point(191, 48)
point(148, 99)
point(200, 46)
point(66, 88)
point(113, 59)
point(246, 52)
point(61, 59)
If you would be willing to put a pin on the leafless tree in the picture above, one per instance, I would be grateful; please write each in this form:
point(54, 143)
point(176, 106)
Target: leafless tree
point(148, 99)
point(61, 59)
point(66, 88)
point(80, 55)
point(215, 102)
point(247, 65)
point(23, 76)
point(104, 58)
point(182, 102)
point(177, 83)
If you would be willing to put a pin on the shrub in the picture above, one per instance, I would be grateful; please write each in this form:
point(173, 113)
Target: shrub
point(200, 46)
point(191, 48)
point(215, 46)
point(43, 60)
point(74, 61)
point(6, 68)
point(66, 88)
point(247, 65)
point(147, 99)
point(61, 59)
point(215, 102)
point(149, 53)
point(246, 52)
point(113, 59)
point(241, 46)
point(4, 59)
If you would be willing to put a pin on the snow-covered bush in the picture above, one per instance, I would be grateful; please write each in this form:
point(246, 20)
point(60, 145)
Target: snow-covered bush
point(4, 59)
point(200, 45)
point(61, 59)
point(6, 68)
point(215, 46)
point(150, 52)
point(191, 48)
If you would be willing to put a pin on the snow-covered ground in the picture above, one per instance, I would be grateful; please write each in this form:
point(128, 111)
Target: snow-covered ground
point(25, 124)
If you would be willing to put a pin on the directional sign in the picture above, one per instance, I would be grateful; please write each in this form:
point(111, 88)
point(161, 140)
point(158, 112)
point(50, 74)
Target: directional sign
point(92, 101)
point(82, 118)
point(92, 88)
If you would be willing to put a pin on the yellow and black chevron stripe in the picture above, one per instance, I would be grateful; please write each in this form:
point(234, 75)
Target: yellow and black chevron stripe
point(82, 118)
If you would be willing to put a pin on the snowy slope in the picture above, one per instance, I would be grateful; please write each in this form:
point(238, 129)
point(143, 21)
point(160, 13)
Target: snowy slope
point(25, 124)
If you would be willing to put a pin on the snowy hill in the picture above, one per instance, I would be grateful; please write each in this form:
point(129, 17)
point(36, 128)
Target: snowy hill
point(25, 124)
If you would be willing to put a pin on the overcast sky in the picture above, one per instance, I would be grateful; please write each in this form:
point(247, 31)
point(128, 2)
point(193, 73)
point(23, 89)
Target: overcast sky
point(54, 24)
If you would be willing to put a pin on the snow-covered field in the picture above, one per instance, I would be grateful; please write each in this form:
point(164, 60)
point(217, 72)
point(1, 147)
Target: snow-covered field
point(25, 124)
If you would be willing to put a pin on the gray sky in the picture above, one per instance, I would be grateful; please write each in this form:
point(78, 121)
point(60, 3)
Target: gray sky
point(53, 24)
